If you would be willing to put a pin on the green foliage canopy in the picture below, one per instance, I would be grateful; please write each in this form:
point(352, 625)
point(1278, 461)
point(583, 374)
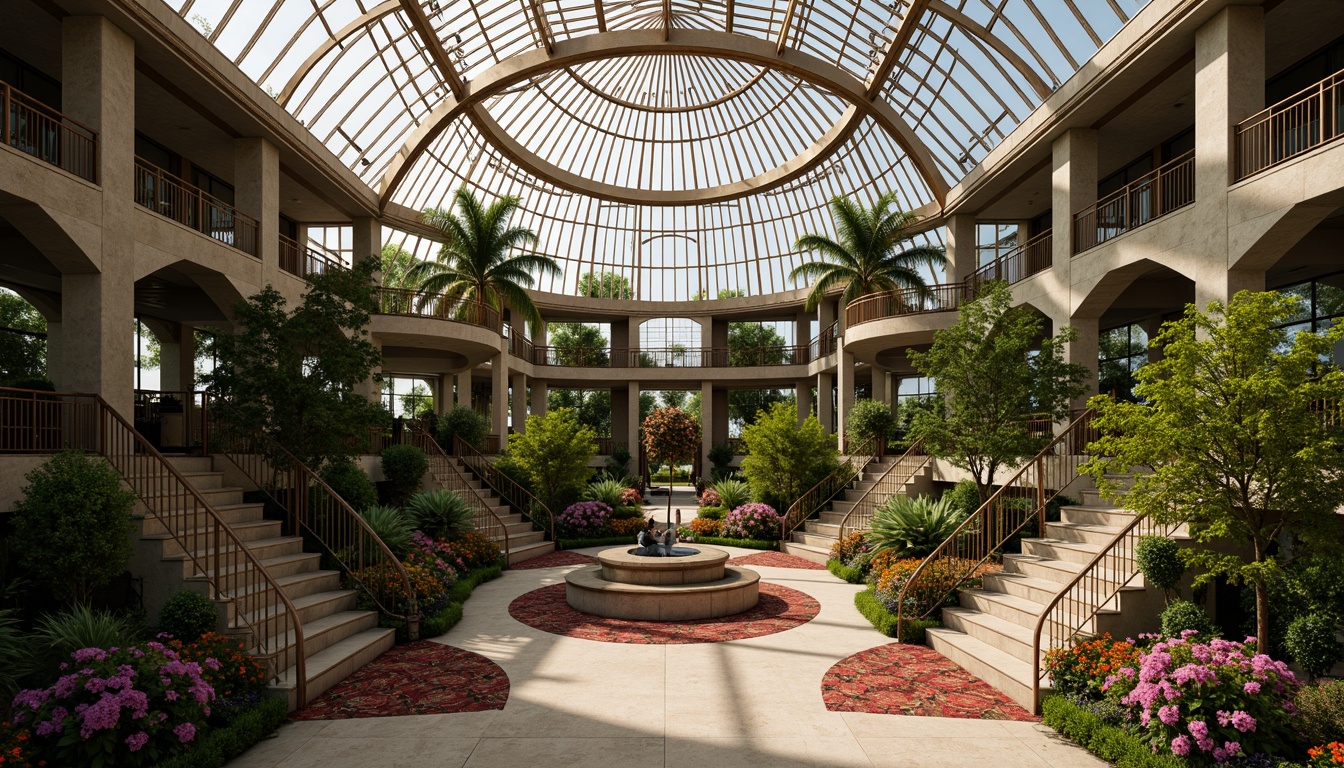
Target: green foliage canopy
point(785, 458)
point(23, 347)
point(554, 450)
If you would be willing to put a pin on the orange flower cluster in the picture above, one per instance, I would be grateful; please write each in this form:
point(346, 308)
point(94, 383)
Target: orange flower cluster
point(1327, 755)
point(629, 526)
point(1089, 663)
point(237, 673)
point(384, 580)
point(704, 527)
point(14, 747)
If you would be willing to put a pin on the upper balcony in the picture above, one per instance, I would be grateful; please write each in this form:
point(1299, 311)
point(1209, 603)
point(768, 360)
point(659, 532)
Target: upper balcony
point(171, 197)
point(1302, 122)
point(32, 127)
point(940, 298)
point(400, 301)
point(1149, 197)
point(305, 260)
point(669, 357)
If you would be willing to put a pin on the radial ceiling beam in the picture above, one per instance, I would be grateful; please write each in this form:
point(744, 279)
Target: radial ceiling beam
point(972, 27)
point(648, 42)
point(601, 13)
point(728, 12)
point(335, 41)
point(543, 26)
point(789, 14)
point(909, 22)
point(667, 20)
point(421, 24)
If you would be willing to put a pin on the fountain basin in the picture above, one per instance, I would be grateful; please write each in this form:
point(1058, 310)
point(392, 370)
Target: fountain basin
point(628, 586)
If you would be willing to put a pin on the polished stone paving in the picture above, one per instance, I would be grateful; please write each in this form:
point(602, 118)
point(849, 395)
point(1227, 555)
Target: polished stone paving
point(578, 703)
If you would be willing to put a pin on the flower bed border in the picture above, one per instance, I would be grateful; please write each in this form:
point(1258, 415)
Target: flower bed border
point(219, 745)
point(843, 572)
point(884, 621)
point(441, 621)
point(611, 541)
point(1108, 742)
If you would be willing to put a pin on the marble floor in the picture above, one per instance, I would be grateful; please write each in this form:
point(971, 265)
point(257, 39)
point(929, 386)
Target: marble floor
point(578, 703)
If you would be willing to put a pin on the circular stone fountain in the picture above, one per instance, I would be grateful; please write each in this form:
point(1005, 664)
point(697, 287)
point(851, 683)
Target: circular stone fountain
point(692, 584)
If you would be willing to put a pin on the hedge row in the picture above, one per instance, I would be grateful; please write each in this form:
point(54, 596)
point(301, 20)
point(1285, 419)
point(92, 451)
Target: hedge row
point(437, 623)
point(1109, 742)
point(841, 571)
point(885, 621)
point(220, 745)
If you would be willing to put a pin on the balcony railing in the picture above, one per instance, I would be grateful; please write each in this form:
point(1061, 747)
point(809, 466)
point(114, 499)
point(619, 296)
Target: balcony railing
point(30, 126)
point(174, 198)
point(825, 342)
point(401, 301)
point(663, 357)
point(1301, 122)
point(941, 298)
point(1149, 197)
point(1018, 264)
point(307, 261)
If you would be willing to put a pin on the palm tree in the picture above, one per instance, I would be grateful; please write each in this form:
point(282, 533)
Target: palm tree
point(866, 258)
point(474, 263)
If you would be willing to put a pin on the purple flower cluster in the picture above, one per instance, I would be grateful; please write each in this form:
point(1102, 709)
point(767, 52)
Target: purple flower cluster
point(1217, 700)
point(752, 521)
point(586, 518)
point(136, 705)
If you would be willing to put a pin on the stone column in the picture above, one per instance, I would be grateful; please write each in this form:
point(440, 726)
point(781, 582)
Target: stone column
point(720, 433)
point(256, 193)
point(824, 400)
point(620, 416)
point(519, 397)
point(879, 377)
point(1074, 187)
point(802, 395)
point(96, 339)
point(844, 385)
point(632, 417)
point(440, 388)
point(962, 256)
point(462, 397)
point(499, 396)
point(177, 366)
point(540, 394)
point(1084, 351)
point(707, 407)
point(366, 241)
point(1229, 87)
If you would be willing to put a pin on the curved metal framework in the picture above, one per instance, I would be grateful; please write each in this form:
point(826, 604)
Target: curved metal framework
point(617, 123)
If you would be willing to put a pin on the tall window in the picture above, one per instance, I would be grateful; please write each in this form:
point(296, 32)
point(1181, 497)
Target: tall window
point(910, 388)
point(406, 397)
point(1121, 352)
point(1322, 302)
point(993, 241)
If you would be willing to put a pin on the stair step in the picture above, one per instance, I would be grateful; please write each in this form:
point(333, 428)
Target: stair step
point(200, 480)
point(325, 631)
point(806, 551)
point(261, 549)
point(310, 583)
point(1058, 571)
point(192, 464)
point(519, 553)
point(1009, 637)
point(1008, 674)
point(830, 530)
point(332, 665)
point(1069, 551)
point(1095, 515)
point(1084, 533)
point(814, 539)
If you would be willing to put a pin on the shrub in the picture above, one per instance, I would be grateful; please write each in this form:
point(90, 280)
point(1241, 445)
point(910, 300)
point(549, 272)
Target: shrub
point(349, 482)
point(936, 584)
point(964, 497)
point(630, 498)
point(870, 418)
point(847, 548)
point(1182, 615)
point(721, 459)
point(752, 521)
point(14, 657)
point(58, 635)
point(627, 513)
point(441, 514)
point(884, 621)
point(619, 461)
point(469, 553)
point(841, 571)
point(630, 526)
point(186, 616)
point(607, 490)
point(712, 513)
point(1159, 560)
point(586, 518)
point(392, 526)
point(220, 745)
point(465, 423)
point(710, 498)
point(1199, 700)
point(384, 580)
point(404, 466)
point(1082, 669)
point(554, 450)
point(913, 527)
point(1106, 740)
point(1311, 643)
point(128, 707)
point(426, 554)
point(1320, 711)
point(785, 458)
point(237, 678)
point(701, 526)
point(72, 527)
point(732, 493)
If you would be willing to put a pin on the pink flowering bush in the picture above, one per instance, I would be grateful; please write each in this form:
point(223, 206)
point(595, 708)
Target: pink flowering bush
point(752, 521)
point(124, 707)
point(630, 498)
point(710, 498)
point(587, 518)
point(1208, 701)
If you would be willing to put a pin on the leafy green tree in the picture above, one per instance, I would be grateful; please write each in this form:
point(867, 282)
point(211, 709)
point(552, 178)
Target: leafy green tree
point(592, 406)
point(475, 264)
point(785, 458)
point(605, 285)
point(991, 372)
point(671, 437)
point(417, 400)
point(396, 264)
point(554, 451)
point(868, 256)
point(23, 340)
point(293, 375)
point(579, 344)
point(1236, 439)
point(72, 527)
point(870, 418)
point(754, 344)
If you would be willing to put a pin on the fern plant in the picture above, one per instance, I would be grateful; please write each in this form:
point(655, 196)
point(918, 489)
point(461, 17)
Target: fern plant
point(440, 515)
point(392, 526)
point(607, 490)
point(914, 527)
point(733, 493)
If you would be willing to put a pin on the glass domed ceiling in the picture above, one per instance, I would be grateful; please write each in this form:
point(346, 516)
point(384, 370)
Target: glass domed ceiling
point(683, 144)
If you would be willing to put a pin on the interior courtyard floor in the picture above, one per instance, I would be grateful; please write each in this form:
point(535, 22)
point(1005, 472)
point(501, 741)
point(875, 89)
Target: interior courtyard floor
point(739, 703)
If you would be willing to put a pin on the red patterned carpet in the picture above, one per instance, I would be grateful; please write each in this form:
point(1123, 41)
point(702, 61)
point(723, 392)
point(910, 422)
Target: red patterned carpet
point(421, 678)
point(553, 560)
point(777, 560)
point(902, 679)
point(780, 608)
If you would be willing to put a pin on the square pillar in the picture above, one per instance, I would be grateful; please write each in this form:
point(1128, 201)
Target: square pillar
point(1085, 351)
point(720, 433)
point(177, 366)
point(802, 329)
point(962, 254)
point(802, 396)
point(707, 408)
point(367, 242)
point(96, 340)
point(1073, 188)
point(632, 416)
point(540, 397)
point(499, 396)
point(462, 382)
point(620, 417)
point(825, 401)
point(844, 385)
point(256, 193)
point(880, 393)
point(440, 389)
point(519, 402)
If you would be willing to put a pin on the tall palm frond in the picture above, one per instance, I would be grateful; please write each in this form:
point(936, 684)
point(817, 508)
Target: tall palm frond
point(480, 259)
point(866, 255)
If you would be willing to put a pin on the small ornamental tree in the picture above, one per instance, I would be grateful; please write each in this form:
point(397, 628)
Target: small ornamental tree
point(671, 437)
point(1240, 428)
point(992, 368)
point(554, 451)
point(785, 458)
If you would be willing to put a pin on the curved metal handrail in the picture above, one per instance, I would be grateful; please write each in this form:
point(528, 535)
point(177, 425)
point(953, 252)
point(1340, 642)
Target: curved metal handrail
point(861, 514)
point(439, 461)
point(817, 496)
point(517, 496)
point(1000, 518)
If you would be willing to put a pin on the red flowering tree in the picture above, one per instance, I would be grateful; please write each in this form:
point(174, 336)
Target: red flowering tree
point(671, 437)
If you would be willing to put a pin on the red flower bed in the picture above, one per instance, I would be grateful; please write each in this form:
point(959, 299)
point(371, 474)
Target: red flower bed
point(777, 560)
point(553, 560)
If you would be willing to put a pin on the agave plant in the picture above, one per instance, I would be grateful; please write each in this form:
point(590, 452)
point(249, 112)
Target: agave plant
point(392, 526)
point(607, 490)
point(913, 527)
point(733, 493)
point(441, 514)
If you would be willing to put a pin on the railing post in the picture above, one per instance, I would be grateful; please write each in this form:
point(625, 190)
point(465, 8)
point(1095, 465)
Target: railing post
point(4, 116)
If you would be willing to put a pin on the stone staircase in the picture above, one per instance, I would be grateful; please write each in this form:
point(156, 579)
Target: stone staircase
point(990, 633)
point(813, 542)
point(338, 638)
point(524, 543)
